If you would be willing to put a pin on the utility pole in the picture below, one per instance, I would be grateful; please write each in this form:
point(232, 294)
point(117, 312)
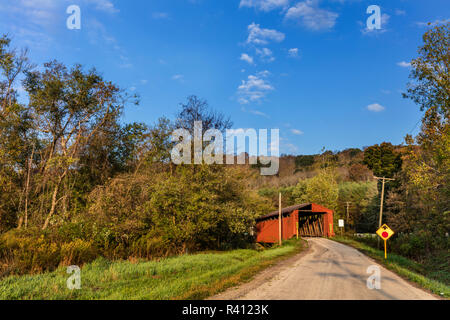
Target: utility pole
point(279, 219)
point(384, 179)
point(347, 205)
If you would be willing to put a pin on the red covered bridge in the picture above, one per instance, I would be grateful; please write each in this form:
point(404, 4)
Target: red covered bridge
point(312, 220)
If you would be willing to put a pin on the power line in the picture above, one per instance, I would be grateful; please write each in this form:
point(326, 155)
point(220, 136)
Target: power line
point(415, 126)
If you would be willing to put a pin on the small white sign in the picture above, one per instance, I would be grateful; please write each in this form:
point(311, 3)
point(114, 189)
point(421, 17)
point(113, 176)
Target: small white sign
point(341, 223)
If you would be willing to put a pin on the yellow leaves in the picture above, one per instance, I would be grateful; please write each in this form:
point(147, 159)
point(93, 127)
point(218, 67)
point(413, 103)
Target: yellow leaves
point(38, 253)
point(421, 176)
point(76, 251)
point(61, 162)
point(321, 189)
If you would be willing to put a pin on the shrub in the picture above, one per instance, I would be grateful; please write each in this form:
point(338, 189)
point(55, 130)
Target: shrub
point(35, 253)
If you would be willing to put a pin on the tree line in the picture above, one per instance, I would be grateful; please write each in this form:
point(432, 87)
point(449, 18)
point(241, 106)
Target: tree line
point(77, 183)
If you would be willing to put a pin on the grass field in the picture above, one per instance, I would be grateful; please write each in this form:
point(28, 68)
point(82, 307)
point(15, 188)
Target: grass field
point(404, 267)
point(194, 276)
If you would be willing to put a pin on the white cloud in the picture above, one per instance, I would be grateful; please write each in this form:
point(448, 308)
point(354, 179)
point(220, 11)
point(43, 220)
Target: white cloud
point(384, 19)
point(32, 22)
point(264, 5)
point(178, 77)
point(247, 58)
point(399, 12)
point(44, 14)
point(259, 113)
point(345, 1)
point(160, 15)
point(254, 89)
point(259, 36)
point(311, 16)
point(264, 73)
point(256, 112)
point(404, 64)
point(433, 23)
point(98, 36)
point(375, 107)
point(104, 5)
point(290, 147)
point(125, 61)
point(32, 37)
point(297, 132)
point(40, 13)
point(265, 54)
point(293, 52)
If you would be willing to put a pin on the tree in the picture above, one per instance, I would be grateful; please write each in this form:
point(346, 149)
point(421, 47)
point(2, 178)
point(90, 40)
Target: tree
point(423, 200)
point(429, 165)
point(196, 109)
point(430, 87)
point(383, 160)
point(360, 195)
point(70, 107)
point(359, 172)
point(304, 161)
point(16, 139)
point(159, 140)
point(321, 189)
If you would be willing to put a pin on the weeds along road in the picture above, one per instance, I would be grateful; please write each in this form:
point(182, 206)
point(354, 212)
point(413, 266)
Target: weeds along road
point(329, 270)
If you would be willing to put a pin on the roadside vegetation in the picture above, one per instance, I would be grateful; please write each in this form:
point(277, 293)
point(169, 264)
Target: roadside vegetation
point(79, 186)
point(417, 203)
point(433, 277)
point(194, 276)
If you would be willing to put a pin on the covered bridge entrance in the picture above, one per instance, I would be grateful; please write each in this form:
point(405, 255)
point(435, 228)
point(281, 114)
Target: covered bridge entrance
point(312, 220)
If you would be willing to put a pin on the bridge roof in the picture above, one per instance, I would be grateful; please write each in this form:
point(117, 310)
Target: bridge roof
point(305, 207)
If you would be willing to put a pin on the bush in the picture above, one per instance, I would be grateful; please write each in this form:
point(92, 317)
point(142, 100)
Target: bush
point(77, 252)
point(302, 162)
point(150, 246)
point(20, 253)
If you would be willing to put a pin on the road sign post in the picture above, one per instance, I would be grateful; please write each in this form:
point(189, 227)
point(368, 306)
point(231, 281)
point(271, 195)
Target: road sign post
point(385, 233)
point(385, 249)
point(341, 225)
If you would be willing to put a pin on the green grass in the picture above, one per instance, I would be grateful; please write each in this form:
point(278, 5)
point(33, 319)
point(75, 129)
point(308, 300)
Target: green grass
point(404, 267)
point(184, 277)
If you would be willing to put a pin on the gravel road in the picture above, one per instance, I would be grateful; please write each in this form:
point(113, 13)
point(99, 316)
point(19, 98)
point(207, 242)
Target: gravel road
point(330, 271)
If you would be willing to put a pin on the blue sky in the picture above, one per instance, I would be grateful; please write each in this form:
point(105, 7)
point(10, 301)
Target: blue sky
point(308, 67)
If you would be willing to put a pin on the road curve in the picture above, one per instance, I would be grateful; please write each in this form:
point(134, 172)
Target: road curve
point(329, 271)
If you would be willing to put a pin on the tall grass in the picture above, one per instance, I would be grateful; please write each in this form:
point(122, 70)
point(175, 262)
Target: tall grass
point(183, 277)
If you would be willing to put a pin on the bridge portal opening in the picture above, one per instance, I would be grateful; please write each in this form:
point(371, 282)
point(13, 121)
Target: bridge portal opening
point(304, 220)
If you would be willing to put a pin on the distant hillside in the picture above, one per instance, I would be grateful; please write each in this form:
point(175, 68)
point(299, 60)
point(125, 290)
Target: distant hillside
point(348, 164)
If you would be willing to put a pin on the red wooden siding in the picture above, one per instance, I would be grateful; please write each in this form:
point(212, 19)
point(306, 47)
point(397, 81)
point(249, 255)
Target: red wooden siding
point(267, 226)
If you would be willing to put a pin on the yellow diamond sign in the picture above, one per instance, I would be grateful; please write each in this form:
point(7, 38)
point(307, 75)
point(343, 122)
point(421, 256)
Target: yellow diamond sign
point(385, 232)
